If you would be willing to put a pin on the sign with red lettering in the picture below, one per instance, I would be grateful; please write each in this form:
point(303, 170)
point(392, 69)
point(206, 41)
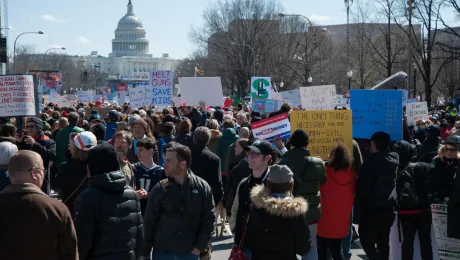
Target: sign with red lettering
point(162, 87)
point(17, 95)
point(318, 97)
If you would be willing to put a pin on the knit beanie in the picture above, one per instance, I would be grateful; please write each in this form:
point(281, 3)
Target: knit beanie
point(142, 123)
point(38, 122)
point(102, 159)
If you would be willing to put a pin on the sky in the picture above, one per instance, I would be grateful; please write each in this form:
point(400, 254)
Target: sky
point(82, 26)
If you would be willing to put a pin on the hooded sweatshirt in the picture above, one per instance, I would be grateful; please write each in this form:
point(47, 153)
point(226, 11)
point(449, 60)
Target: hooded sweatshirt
point(229, 137)
point(430, 146)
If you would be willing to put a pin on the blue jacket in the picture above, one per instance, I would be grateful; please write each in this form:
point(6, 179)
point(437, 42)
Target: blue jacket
point(4, 179)
point(110, 130)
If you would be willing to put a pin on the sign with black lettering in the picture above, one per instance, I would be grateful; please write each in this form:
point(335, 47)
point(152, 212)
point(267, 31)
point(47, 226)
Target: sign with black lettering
point(416, 111)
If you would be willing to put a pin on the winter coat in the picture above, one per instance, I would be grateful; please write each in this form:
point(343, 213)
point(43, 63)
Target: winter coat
point(235, 176)
point(444, 133)
point(431, 144)
point(70, 175)
point(215, 136)
point(309, 174)
point(229, 136)
point(4, 179)
point(377, 181)
point(206, 165)
point(62, 142)
point(109, 221)
point(277, 227)
point(442, 177)
point(185, 139)
point(453, 209)
point(179, 218)
point(337, 199)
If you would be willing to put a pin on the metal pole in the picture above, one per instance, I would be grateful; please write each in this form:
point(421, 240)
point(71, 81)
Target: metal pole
point(415, 81)
point(349, 83)
point(14, 47)
point(348, 4)
point(409, 58)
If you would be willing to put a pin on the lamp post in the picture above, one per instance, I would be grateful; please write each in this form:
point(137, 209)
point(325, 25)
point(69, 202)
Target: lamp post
point(321, 54)
point(349, 75)
point(348, 4)
point(309, 80)
point(282, 84)
point(50, 49)
point(415, 80)
point(306, 39)
point(253, 54)
point(14, 47)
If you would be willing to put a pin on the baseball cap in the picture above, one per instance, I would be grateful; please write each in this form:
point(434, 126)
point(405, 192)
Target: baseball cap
point(85, 141)
point(261, 146)
point(280, 174)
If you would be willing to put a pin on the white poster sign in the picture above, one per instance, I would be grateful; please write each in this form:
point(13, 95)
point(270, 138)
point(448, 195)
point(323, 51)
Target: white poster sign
point(448, 248)
point(140, 96)
point(122, 97)
point(17, 95)
point(66, 100)
point(196, 89)
point(161, 83)
point(318, 97)
point(53, 96)
point(292, 97)
point(416, 111)
point(85, 96)
point(261, 87)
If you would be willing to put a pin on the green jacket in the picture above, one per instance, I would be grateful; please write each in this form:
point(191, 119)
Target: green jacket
point(62, 143)
point(229, 137)
point(309, 174)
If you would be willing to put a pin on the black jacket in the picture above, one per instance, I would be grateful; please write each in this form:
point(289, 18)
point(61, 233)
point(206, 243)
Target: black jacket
point(430, 145)
point(277, 227)
point(70, 175)
point(206, 165)
point(179, 218)
point(109, 221)
point(235, 176)
point(185, 139)
point(377, 181)
point(442, 178)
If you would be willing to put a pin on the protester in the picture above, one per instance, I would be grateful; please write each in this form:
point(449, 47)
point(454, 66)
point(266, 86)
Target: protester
point(430, 145)
point(232, 159)
point(167, 135)
point(108, 214)
point(114, 116)
point(99, 131)
point(122, 142)
point(213, 126)
point(63, 137)
point(182, 194)
point(184, 135)
point(7, 149)
point(30, 217)
point(238, 173)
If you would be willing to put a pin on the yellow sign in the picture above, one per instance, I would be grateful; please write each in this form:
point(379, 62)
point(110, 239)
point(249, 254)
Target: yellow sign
point(325, 128)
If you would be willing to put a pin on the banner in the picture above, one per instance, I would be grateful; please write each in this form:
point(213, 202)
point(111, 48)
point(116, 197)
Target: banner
point(161, 83)
point(140, 96)
point(377, 110)
point(325, 128)
point(448, 248)
point(267, 129)
point(196, 89)
point(17, 95)
point(85, 96)
point(49, 80)
point(318, 97)
point(261, 87)
point(416, 111)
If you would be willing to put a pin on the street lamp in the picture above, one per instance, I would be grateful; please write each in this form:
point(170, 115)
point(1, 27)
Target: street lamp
point(349, 75)
point(281, 84)
point(14, 47)
point(253, 53)
point(348, 4)
point(415, 79)
point(310, 80)
point(321, 54)
point(44, 55)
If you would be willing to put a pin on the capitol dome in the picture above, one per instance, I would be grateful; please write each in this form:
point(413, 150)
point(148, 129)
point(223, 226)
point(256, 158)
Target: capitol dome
point(130, 36)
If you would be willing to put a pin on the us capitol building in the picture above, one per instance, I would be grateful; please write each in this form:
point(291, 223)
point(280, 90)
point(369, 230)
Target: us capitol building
point(129, 59)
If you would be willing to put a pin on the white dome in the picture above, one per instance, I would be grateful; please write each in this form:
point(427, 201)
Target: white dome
point(130, 21)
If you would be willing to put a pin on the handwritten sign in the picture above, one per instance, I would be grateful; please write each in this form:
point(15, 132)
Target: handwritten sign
point(139, 96)
point(448, 248)
point(162, 87)
point(416, 111)
point(318, 97)
point(267, 129)
point(85, 96)
point(66, 100)
point(325, 128)
point(17, 95)
point(376, 110)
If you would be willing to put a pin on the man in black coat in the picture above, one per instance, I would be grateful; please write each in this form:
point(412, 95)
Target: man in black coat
point(206, 164)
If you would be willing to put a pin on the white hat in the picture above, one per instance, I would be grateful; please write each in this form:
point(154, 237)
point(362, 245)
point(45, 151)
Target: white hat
point(85, 141)
point(7, 149)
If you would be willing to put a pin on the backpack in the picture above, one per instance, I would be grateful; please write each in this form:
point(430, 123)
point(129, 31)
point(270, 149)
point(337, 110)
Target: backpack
point(162, 151)
point(407, 190)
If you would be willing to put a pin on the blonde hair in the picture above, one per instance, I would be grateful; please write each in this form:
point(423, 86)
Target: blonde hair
point(77, 154)
point(442, 152)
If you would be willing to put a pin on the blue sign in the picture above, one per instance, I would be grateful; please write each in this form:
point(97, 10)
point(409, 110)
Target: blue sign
point(377, 110)
point(270, 105)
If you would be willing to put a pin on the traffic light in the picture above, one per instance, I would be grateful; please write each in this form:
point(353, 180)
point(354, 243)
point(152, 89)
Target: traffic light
point(3, 54)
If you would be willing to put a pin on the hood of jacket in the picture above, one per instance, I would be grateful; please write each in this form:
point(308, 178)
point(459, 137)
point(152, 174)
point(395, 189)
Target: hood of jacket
point(215, 134)
point(229, 133)
point(405, 152)
point(341, 177)
point(284, 207)
point(111, 181)
point(384, 160)
point(433, 133)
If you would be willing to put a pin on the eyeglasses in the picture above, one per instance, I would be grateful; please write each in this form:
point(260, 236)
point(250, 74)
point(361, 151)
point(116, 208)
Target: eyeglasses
point(41, 169)
point(30, 126)
point(451, 150)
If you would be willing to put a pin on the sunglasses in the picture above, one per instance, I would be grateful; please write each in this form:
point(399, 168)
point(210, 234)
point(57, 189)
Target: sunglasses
point(451, 150)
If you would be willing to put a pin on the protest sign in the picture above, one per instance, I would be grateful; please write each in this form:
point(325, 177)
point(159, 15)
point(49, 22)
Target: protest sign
point(17, 95)
point(377, 110)
point(267, 129)
point(85, 96)
point(196, 89)
point(103, 111)
point(261, 87)
point(325, 128)
point(66, 100)
point(411, 100)
point(271, 105)
point(405, 96)
point(48, 80)
point(53, 96)
point(258, 104)
point(162, 87)
point(318, 97)
point(292, 97)
point(448, 247)
point(416, 111)
point(140, 96)
point(122, 97)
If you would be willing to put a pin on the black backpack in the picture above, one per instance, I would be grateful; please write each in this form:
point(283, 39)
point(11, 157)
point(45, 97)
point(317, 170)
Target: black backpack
point(407, 190)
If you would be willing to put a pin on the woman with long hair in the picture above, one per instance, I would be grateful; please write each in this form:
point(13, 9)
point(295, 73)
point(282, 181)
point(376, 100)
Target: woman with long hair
point(237, 173)
point(337, 198)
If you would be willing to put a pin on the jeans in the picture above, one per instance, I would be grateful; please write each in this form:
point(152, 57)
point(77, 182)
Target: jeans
point(410, 224)
point(374, 230)
point(334, 246)
point(312, 255)
point(346, 242)
point(172, 256)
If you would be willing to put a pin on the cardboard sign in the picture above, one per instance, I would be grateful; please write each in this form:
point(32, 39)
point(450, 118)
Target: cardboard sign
point(261, 87)
point(258, 104)
point(161, 83)
point(104, 112)
point(325, 128)
point(85, 96)
point(195, 89)
point(267, 129)
point(416, 111)
point(377, 110)
point(140, 96)
point(318, 97)
point(448, 248)
point(17, 95)
point(271, 105)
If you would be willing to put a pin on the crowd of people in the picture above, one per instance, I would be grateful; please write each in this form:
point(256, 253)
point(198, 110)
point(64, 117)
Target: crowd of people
point(146, 183)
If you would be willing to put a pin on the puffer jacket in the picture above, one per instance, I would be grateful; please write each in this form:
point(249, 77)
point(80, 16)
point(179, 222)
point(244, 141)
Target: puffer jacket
point(179, 218)
point(309, 174)
point(108, 219)
point(229, 136)
point(277, 227)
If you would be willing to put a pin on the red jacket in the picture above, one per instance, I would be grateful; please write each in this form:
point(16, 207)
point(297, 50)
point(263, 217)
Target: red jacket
point(337, 198)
